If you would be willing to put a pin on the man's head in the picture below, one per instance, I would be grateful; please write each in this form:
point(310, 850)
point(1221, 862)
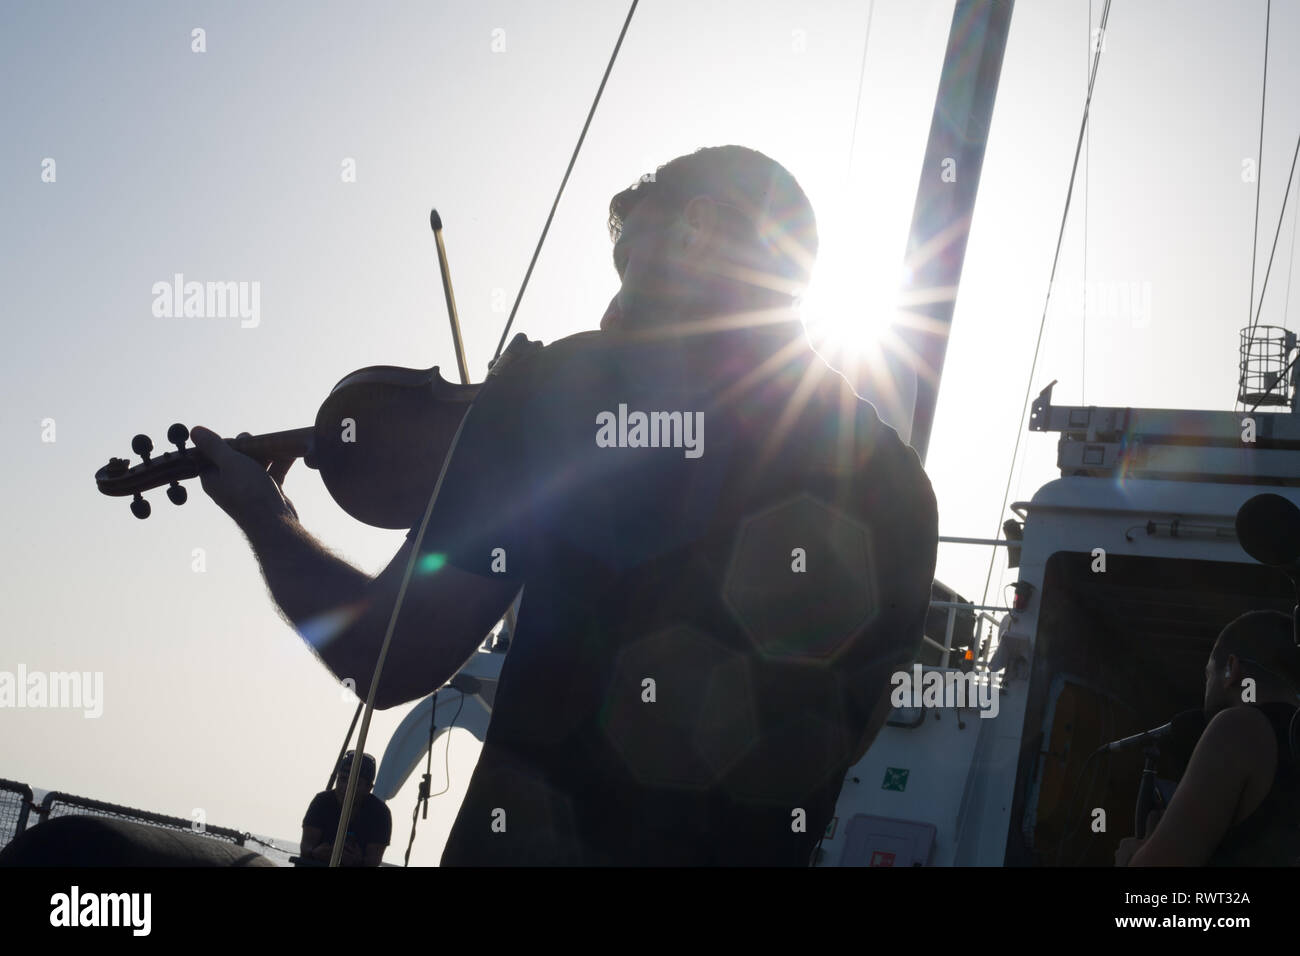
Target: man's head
point(365, 779)
point(1259, 646)
point(720, 231)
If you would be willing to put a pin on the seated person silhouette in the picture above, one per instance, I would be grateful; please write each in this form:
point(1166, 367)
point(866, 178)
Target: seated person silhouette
point(1238, 802)
point(370, 827)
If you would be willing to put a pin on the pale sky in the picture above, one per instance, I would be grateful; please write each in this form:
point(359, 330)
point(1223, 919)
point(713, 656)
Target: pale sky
point(226, 165)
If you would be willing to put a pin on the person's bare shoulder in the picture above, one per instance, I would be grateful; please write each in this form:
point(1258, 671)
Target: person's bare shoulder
point(1243, 733)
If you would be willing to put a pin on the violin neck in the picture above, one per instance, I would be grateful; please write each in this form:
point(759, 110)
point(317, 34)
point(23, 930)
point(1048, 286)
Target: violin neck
point(275, 446)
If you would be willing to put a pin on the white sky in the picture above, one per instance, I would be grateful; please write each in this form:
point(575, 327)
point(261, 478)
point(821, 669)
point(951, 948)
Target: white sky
point(226, 166)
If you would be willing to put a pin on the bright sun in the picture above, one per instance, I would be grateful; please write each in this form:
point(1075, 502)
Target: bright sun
point(852, 315)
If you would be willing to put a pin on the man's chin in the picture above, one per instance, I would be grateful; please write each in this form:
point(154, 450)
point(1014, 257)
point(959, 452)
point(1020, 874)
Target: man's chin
point(613, 317)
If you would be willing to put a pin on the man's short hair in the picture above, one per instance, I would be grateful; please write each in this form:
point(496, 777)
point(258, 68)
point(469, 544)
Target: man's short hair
point(764, 190)
point(1266, 638)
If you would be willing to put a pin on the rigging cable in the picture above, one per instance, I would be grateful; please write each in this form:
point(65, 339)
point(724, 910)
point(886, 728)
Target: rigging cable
point(1087, 195)
point(862, 78)
point(344, 749)
point(1278, 232)
point(848, 180)
point(353, 777)
point(563, 182)
point(1286, 305)
point(852, 383)
point(1281, 216)
point(1056, 258)
point(1251, 316)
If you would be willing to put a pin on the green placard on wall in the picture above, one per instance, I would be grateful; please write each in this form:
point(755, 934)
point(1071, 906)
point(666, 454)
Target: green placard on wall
point(895, 779)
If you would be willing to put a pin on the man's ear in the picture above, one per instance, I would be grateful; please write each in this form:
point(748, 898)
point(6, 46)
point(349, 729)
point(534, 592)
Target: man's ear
point(700, 219)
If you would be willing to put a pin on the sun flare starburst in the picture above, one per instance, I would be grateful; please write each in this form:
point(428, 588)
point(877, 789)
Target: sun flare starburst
point(853, 315)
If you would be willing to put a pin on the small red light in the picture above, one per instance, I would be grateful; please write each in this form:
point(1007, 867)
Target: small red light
point(1023, 591)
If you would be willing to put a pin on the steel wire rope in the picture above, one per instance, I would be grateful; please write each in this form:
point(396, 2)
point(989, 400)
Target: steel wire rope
point(1056, 258)
point(354, 775)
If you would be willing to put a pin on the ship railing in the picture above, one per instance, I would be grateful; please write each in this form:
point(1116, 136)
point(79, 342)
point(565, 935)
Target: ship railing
point(986, 624)
point(59, 804)
point(15, 804)
point(983, 619)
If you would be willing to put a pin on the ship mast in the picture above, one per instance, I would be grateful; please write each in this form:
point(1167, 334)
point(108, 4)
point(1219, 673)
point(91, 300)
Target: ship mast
point(945, 197)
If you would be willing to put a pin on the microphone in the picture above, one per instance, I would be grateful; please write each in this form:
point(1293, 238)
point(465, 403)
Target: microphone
point(1187, 725)
point(1191, 722)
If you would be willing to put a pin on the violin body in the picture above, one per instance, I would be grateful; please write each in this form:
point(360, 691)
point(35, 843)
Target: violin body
point(380, 440)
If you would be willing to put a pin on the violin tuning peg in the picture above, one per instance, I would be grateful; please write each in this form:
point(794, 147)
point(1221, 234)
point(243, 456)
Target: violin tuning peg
point(176, 494)
point(139, 507)
point(177, 435)
point(142, 446)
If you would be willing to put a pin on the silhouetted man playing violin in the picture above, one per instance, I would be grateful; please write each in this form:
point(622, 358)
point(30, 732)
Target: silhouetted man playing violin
point(726, 554)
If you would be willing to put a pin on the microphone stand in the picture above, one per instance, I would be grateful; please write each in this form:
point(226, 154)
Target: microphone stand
point(1146, 791)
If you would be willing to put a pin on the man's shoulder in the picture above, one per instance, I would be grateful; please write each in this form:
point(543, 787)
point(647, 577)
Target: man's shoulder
point(578, 342)
point(537, 369)
point(536, 358)
point(1248, 719)
point(1246, 731)
point(319, 806)
point(852, 438)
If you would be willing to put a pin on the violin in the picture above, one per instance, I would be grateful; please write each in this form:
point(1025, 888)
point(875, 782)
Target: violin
point(379, 442)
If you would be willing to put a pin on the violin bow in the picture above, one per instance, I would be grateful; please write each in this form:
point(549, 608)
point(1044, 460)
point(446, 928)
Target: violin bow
point(336, 852)
point(349, 799)
point(436, 222)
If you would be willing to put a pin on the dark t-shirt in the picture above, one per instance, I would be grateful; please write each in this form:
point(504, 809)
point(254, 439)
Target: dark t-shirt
point(725, 555)
point(1270, 836)
point(372, 822)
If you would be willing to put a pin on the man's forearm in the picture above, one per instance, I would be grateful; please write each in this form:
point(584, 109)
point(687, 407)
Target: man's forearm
point(310, 585)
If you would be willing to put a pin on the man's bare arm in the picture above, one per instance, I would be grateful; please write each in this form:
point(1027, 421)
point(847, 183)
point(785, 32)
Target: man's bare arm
point(341, 612)
point(445, 616)
point(306, 581)
point(1229, 754)
point(311, 839)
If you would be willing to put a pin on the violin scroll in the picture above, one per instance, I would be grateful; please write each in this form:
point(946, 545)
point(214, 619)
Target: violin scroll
point(118, 477)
